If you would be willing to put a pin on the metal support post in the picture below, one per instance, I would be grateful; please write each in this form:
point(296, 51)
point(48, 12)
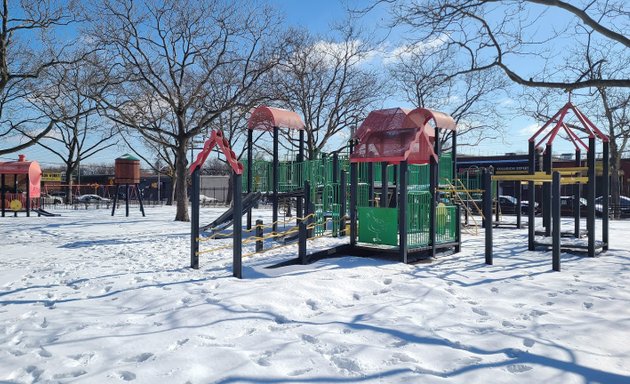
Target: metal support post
point(555, 214)
point(384, 186)
point(274, 202)
point(342, 196)
point(370, 180)
point(259, 234)
point(127, 200)
point(433, 170)
point(140, 200)
point(590, 217)
point(487, 213)
point(194, 219)
point(605, 194)
point(28, 195)
point(3, 193)
point(547, 167)
point(402, 212)
point(354, 180)
point(303, 226)
point(237, 227)
point(518, 188)
point(576, 199)
point(250, 170)
point(531, 196)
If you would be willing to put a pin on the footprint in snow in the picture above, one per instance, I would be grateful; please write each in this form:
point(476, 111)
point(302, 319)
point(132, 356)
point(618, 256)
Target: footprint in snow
point(300, 372)
point(387, 281)
point(34, 371)
point(263, 360)
point(69, 375)
point(310, 339)
point(356, 296)
point(494, 290)
point(312, 304)
point(177, 344)
point(587, 305)
point(528, 342)
point(126, 375)
point(139, 358)
point(518, 368)
point(509, 324)
point(479, 311)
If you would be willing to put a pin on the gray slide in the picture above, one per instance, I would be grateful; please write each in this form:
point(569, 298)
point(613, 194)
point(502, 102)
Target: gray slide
point(225, 220)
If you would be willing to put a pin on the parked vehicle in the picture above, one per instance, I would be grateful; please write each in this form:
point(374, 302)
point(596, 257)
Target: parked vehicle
point(207, 200)
point(624, 206)
point(49, 199)
point(566, 206)
point(508, 204)
point(87, 199)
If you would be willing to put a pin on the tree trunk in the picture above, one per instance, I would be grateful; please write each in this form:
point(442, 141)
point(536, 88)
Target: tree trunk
point(228, 197)
point(69, 183)
point(615, 164)
point(181, 168)
point(171, 197)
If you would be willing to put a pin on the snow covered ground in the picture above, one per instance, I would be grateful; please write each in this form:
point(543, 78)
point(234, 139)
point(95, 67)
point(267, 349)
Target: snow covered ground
point(87, 298)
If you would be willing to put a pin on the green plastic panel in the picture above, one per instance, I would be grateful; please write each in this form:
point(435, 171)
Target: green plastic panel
point(378, 225)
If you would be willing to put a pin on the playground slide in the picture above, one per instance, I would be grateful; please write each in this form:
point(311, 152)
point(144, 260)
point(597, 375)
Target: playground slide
point(226, 218)
point(43, 212)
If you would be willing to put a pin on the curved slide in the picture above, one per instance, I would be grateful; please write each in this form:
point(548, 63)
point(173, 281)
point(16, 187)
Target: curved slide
point(227, 217)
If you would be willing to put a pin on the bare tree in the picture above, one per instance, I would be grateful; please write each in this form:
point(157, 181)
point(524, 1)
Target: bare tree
point(78, 132)
point(609, 107)
point(420, 71)
point(27, 50)
point(327, 81)
point(178, 65)
point(503, 34)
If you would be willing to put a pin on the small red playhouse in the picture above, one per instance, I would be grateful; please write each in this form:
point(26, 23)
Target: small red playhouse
point(20, 185)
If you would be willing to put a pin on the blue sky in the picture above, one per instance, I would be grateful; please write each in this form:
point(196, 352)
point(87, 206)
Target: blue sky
point(317, 16)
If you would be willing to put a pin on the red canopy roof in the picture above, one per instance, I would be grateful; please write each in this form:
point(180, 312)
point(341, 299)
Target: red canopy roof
point(383, 120)
point(265, 118)
point(394, 135)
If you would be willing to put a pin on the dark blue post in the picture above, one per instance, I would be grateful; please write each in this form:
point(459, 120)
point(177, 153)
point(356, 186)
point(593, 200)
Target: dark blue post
point(605, 194)
point(370, 181)
point(518, 188)
point(140, 200)
point(194, 220)
point(343, 197)
point(3, 202)
point(402, 212)
point(127, 199)
point(115, 199)
point(353, 203)
point(590, 217)
point(384, 185)
point(303, 225)
point(547, 167)
point(237, 227)
point(259, 234)
point(28, 195)
point(576, 199)
point(276, 181)
point(531, 196)
point(487, 213)
point(299, 204)
point(555, 208)
point(433, 170)
point(250, 176)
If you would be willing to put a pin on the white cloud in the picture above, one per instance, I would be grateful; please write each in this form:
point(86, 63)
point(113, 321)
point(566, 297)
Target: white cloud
point(329, 51)
point(530, 129)
point(406, 51)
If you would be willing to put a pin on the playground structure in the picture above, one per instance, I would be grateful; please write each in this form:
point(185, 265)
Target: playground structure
point(395, 152)
point(127, 173)
point(551, 180)
point(26, 177)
